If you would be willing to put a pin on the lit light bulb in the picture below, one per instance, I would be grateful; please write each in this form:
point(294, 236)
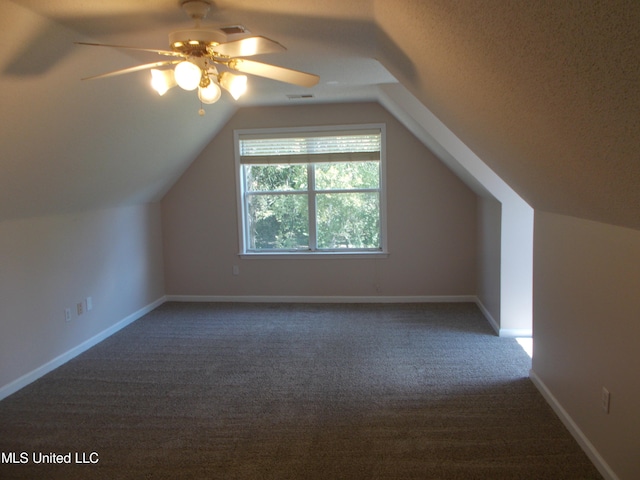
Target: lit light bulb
point(209, 94)
point(162, 80)
point(187, 75)
point(236, 85)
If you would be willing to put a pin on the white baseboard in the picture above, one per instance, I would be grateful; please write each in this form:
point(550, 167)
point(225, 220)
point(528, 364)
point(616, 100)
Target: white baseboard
point(355, 299)
point(515, 332)
point(488, 316)
point(42, 370)
point(322, 299)
point(502, 332)
point(26, 379)
point(595, 457)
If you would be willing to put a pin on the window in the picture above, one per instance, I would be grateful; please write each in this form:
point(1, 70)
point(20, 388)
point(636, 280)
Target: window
point(311, 191)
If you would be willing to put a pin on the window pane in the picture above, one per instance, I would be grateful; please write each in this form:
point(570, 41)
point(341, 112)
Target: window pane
point(306, 190)
point(348, 220)
point(278, 222)
point(274, 178)
point(342, 176)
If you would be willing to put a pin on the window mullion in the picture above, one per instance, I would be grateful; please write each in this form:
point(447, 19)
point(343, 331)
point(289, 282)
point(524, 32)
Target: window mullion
point(246, 228)
point(311, 186)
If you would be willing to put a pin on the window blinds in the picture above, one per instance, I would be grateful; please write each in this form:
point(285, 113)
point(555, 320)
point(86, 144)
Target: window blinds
point(311, 147)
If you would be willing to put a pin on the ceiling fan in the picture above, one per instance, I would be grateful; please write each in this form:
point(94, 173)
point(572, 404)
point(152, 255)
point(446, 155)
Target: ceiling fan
point(205, 59)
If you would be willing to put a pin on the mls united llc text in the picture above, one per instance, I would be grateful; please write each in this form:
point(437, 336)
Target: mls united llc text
point(51, 457)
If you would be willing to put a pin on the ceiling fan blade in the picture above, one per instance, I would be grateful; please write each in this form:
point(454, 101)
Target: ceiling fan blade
point(160, 52)
point(273, 72)
point(247, 47)
point(137, 68)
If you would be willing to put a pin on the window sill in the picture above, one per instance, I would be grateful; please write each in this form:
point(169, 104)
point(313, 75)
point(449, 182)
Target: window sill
point(313, 255)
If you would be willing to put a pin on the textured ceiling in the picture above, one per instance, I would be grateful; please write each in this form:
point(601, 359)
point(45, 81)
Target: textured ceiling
point(545, 92)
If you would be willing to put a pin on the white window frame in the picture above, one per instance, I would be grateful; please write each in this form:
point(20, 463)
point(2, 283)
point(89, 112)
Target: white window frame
point(312, 253)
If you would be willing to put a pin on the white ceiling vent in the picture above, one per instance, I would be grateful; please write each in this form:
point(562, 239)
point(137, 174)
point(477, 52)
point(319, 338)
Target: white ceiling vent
point(234, 29)
point(303, 96)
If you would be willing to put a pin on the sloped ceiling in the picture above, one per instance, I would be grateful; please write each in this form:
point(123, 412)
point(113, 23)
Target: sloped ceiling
point(545, 92)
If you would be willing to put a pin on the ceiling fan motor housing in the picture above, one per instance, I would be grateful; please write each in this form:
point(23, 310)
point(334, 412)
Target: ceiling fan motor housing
point(194, 42)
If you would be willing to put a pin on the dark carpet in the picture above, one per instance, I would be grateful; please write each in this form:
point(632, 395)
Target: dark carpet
point(292, 391)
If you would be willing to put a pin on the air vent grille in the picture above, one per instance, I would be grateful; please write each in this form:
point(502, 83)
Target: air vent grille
point(303, 96)
point(234, 29)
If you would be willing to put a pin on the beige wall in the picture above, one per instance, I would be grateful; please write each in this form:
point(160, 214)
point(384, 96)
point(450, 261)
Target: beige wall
point(431, 222)
point(489, 249)
point(516, 226)
point(587, 328)
point(51, 263)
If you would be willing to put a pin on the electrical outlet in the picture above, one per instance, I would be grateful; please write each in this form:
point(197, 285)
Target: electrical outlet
point(606, 400)
point(67, 314)
point(79, 309)
point(236, 270)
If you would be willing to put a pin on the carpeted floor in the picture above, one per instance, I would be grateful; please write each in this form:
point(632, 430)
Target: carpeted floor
point(271, 391)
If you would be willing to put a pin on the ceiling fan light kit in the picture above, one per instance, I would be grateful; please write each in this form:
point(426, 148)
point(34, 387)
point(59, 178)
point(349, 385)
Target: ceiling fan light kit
point(201, 51)
point(236, 85)
point(162, 80)
point(209, 94)
point(187, 75)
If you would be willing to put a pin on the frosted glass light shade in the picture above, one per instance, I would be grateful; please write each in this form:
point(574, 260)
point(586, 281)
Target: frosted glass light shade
point(210, 94)
point(187, 75)
point(162, 80)
point(236, 85)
